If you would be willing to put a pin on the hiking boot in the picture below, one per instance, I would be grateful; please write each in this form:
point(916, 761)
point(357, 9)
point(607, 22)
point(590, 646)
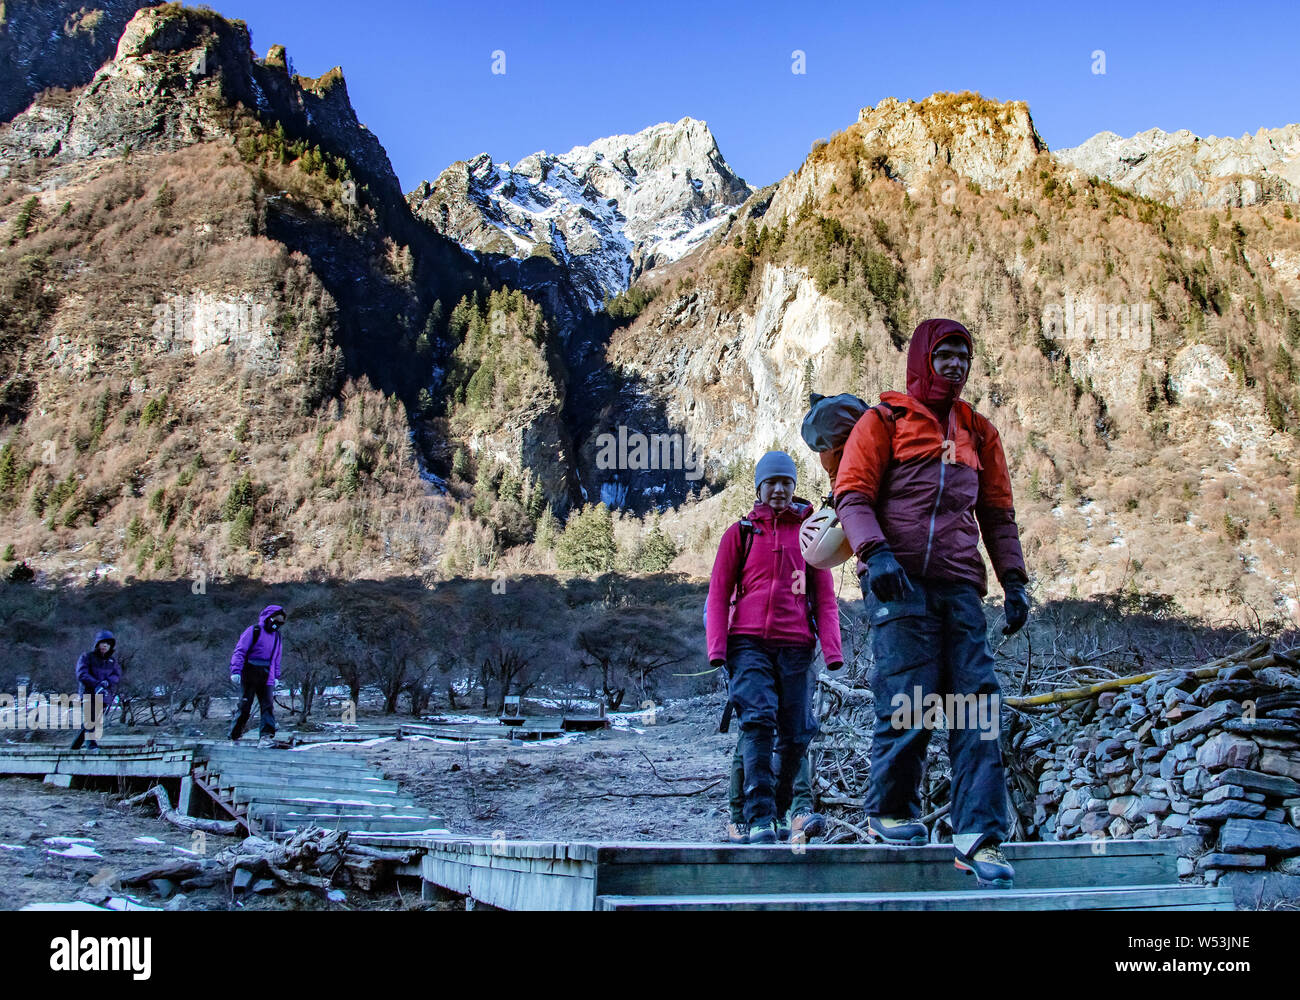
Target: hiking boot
point(266, 743)
point(91, 745)
point(763, 832)
point(897, 832)
point(738, 833)
point(810, 824)
point(989, 866)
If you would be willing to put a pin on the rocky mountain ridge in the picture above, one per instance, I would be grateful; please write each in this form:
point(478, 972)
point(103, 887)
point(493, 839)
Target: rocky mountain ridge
point(602, 213)
point(1182, 168)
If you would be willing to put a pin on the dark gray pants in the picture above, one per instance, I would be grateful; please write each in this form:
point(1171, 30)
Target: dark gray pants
point(256, 685)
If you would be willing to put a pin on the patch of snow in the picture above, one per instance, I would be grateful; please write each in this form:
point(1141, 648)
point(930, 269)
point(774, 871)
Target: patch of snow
point(76, 851)
point(148, 840)
point(65, 841)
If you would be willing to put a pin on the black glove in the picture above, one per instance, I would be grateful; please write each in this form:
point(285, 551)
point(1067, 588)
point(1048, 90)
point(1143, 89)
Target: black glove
point(1015, 607)
point(885, 577)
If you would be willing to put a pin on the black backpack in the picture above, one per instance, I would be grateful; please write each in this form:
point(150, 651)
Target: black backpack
point(257, 632)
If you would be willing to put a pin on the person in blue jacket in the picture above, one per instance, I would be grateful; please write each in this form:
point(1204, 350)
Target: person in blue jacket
point(98, 674)
point(255, 667)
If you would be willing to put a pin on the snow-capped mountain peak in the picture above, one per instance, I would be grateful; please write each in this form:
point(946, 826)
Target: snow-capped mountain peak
point(605, 211)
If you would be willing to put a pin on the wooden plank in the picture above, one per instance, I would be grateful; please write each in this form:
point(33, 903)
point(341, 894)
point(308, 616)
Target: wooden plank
point(160, 764)
point(303, 776)
point(321, 758)
point(186, 795)
point(297, 805)
point(651, 852)
point(1101, 898)
point(510, 889)
point(242, 792)
point(346, 821)
point(710, 869)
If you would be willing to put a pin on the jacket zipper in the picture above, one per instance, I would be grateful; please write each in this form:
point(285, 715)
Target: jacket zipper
point(929, 539)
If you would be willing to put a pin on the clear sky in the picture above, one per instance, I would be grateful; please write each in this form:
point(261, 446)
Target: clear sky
point(420, 72)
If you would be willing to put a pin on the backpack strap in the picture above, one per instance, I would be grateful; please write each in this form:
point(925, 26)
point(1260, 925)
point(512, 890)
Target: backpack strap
point(887, 413)
point(746, 543)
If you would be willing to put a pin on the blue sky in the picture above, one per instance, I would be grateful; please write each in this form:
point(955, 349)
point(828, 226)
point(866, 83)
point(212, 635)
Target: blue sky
point(419, 72)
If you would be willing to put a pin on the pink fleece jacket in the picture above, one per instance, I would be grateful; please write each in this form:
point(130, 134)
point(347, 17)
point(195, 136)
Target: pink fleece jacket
point(774, 601)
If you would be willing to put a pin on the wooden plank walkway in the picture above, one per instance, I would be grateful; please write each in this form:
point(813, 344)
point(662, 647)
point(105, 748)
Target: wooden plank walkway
point(268, 791)
point(547, 875)
point(122, 762)
point(276, 791)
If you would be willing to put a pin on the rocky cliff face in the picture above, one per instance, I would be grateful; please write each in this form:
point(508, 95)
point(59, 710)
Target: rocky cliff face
point(208, 252)
point(173, 80)
point(56, 43)
point(988, 142)
point(1182, 168)
point(594, 218)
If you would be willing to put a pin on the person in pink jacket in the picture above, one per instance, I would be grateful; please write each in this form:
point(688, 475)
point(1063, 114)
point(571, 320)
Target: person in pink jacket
point(763, 621)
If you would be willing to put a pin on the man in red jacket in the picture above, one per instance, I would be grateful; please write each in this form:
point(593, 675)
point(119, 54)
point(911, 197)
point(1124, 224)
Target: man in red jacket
point(763, 631)
point(916, 488)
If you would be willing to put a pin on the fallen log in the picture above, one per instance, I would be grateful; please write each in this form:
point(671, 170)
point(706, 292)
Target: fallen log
point(849, 694)
point(1248, 656)
point(297, 880)
point(176, 871)
point(365, 851)
point(228, 828)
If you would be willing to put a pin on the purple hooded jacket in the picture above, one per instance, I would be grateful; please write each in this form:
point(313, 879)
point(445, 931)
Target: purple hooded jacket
point(94, 670)
point(267, 648)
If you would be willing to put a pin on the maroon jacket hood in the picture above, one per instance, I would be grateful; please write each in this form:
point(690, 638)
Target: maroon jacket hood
point(923, 384)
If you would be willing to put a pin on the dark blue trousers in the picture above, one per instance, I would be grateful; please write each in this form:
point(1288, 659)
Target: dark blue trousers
point(769, 687)
point(934, 642)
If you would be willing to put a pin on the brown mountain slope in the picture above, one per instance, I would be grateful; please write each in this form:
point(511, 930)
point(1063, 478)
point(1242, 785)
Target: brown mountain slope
point(1158, 456)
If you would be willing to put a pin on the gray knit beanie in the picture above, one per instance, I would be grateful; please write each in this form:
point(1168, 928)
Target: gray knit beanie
point(773, 464)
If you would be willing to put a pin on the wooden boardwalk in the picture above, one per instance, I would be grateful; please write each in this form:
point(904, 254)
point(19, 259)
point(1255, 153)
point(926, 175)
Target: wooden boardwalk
point(543, 875)
point(275, 791)
point(269, 792)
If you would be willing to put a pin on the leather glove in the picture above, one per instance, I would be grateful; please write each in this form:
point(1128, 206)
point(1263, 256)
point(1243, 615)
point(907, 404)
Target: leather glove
point(834, 668)
point(886, 577)
point(1015, 607)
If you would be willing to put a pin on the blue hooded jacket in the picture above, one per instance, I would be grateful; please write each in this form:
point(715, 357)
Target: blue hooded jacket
point(95, 671)
point(266, 649)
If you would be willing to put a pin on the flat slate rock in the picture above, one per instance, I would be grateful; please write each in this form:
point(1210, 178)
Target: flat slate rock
point(1269, 784)
point(1253, 835)
point(1228, 809)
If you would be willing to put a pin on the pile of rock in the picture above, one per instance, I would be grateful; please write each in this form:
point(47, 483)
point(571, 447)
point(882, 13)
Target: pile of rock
point(1211, 756)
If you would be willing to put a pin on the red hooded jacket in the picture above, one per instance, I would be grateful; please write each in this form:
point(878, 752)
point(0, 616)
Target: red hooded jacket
point(929, 489)
point(775, 587)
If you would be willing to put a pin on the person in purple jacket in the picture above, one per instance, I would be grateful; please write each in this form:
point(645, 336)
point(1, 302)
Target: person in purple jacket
point(98, 674)
point(255, 666)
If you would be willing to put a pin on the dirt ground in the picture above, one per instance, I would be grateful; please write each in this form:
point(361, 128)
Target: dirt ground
point(593, 786)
